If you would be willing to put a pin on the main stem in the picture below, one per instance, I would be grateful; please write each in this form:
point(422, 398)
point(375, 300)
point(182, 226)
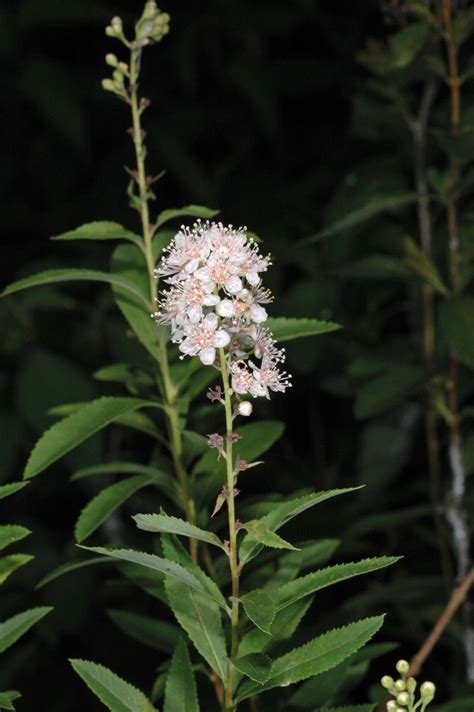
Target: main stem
point(456, 514)
point(234, 566)
point(174, 427)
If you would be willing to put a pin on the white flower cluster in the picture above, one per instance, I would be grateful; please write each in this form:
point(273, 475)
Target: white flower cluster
point(215, 300)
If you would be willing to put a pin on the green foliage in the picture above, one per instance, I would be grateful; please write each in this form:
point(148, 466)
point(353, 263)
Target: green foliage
point(7, 699)
point(158, 635)
point(284, 329)
point(260, 608)
point(116, 694)
point(10, 563)
point(10, 533)
point(256, 666)
point(16, 626)
point(195, 211)
point(172, 525)
point(180, 691)
point(103, 230)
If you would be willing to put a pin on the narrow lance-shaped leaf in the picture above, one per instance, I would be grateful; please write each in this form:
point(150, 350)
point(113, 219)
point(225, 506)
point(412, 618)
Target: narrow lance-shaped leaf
point(283, 513)
point(71, 566)
point(167, 567)
point(9, 564)
point(100, 230)
point(286, 329)
point(11, 488)
point(180, 690)
point(10, 533)
point(260, 608)
point(116, 694)
point(163, 480)
point(256, 666)
point(13, 628)
point(173, 525)
point(105, 503)
point(307, 585)
point(320, 654)
point(261, 533)
point(7, 699)
point(195, 211)
point(159, 635)
point(77, 427)
point(53, 276)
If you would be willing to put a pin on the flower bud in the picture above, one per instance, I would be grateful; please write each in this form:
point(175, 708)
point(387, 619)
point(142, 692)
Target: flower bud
point(109, 31)
point(123, 67)
point(244, 408)
point(391, 706)
point(400, 685)
point(403, 699)
point(402, 667)
point(111, 60)
point(117, 25)
point(411, 684)
point(387, 682)
point(108, 85)
point(427, 691)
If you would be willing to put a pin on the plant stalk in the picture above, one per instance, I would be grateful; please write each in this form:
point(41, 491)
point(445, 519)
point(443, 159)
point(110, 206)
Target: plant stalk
point(172, 411)
point(234, 566)
point(456, 513)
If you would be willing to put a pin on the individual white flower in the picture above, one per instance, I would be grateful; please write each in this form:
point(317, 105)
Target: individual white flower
point(244, 408)
point(242, 379)
point(184, 253)
point(203, 339)
point(268, 377)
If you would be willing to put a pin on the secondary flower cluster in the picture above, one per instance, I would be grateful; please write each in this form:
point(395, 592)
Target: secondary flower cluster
point(215, 299)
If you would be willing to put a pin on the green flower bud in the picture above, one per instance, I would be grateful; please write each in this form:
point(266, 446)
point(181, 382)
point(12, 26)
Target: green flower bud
point(123, 67)
point(427, 691)
point(118, 77)
point(411, 684)
point(111, 60)
point(391, 706)
point(117, 24)
point(403, 699)
point(402, 667)
point(150, 10)
point(387, 682)
point(110, 32)
point(108, 85)
point(400, 685)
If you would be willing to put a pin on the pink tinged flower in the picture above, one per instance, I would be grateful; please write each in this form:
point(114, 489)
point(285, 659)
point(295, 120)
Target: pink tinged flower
point(242, 379)
point(203, 339)
point(257, 314)
point(226, 308)
point(268, 377)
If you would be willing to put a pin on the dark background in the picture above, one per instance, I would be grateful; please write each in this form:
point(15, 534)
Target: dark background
point(254, 112)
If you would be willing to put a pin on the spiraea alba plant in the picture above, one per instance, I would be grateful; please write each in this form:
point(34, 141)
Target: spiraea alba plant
point(194, 300)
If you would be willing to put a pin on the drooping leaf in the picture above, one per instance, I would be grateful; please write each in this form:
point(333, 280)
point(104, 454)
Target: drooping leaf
point(256, 666)
point(283, 513)
point(456, 319)
point(261, 533)
point(377, 205)
point(158, 635)
point(260, 608)
point(71, 566)
point(195, 211)
point(116, 694)
point(180, 690)
point(73, 275)
point(167, 567)
point(77, 427)
point(100, 230)
point(13, 628)
point(10, 533)
point(173, 525)
point(159, 478)
point(320, 654)
point(105, 503)
point(7, 699)
point(421, 265)
point(286, 329)
point(309, 584)
point(11, 488)
point(9, 564)
point(200, 618)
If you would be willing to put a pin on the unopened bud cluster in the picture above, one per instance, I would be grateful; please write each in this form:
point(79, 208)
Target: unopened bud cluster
point(403, 690)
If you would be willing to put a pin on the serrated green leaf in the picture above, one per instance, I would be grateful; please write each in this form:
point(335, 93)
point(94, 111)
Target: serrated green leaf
point(260, 608)
point(377, 205)
point(407, 43)
point(7, 698)
point(116, 694)
point(13, 628)
point(77, 427)
point(200, 618)
point(159, 478)
point(309, 584)
point(283, 627)
point(256, 666)
point(283, 513)
point(100, 230)
point(165, 566)
point(180, 690)
point(286, 329)
point(127, 263)
point(10, 533)
point(74, 275)
point(105, 503)
point(11, 488)
point(71, 566)
point(9, 564)
point(425, 268)
point(163, 523)
point(261, 533)
point(159, 635)
point(195, 211)
point(320, 654)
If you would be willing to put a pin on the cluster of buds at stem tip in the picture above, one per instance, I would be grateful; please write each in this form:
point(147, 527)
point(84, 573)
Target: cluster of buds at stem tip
point(214, 300)
point(403, 690)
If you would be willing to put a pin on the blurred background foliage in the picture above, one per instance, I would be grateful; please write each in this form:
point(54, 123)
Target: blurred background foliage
point(278, 115)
